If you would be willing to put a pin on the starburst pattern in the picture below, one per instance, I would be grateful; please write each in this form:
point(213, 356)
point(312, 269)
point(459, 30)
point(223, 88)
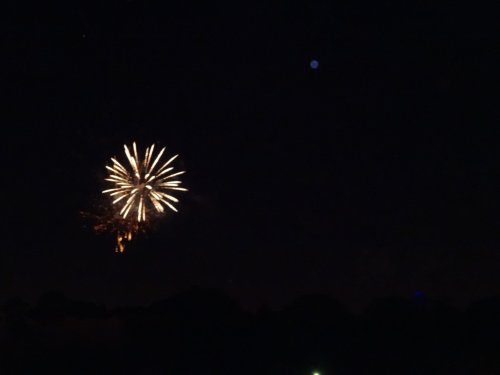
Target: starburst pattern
point(145, 186)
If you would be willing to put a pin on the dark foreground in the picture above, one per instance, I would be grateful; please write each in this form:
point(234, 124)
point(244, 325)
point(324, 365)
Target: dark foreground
point(205, 332)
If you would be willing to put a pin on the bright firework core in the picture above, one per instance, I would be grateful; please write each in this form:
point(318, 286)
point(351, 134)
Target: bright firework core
point(145, 186)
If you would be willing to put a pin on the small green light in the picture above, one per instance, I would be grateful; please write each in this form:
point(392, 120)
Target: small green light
point(316, 373)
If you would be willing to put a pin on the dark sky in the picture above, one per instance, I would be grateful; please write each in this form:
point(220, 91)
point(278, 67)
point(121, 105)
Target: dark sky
point(375, 174)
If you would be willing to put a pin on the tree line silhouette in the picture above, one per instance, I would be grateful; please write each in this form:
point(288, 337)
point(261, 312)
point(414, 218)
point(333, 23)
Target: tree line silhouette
point(203, 331)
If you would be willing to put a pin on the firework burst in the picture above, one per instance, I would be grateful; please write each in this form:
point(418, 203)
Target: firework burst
point(143, 188)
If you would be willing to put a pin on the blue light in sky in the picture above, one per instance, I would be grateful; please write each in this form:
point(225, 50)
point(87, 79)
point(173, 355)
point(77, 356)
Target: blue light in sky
point(314, 64)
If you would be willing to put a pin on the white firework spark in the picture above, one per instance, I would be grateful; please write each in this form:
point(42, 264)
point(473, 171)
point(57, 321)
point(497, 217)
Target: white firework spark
point(143, 186)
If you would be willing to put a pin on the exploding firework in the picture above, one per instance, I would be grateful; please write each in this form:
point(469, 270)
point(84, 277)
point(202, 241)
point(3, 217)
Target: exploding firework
point(140, 190)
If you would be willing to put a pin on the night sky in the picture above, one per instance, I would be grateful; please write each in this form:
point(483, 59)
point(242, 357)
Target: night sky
point(375, 173)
